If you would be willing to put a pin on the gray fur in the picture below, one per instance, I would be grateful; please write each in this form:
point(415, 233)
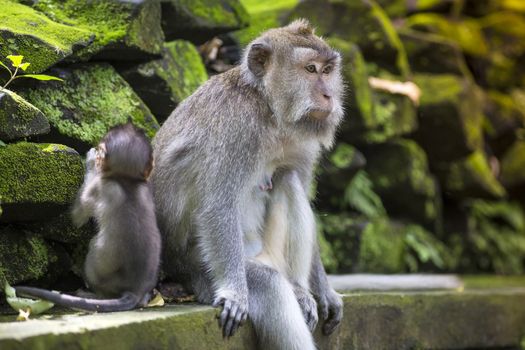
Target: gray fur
point(124, 257)
point(252, 251)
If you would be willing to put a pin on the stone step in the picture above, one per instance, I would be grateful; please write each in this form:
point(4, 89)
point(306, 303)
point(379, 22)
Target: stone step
point(485, 313)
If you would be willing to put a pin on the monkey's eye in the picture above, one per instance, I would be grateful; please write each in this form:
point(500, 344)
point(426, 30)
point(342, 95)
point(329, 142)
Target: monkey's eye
point(328, 69)
point(311, 68)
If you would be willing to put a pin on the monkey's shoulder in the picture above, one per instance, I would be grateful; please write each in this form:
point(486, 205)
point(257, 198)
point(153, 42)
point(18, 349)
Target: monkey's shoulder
point(228, 92)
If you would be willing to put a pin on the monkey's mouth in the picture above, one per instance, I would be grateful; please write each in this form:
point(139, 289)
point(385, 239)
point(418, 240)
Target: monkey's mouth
point(318, 114)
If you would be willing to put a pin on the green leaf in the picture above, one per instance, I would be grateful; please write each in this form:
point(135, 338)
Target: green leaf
point(2, 143)
point(36, 306)
point(16, 60)
point(24, 66)
point(39, 77)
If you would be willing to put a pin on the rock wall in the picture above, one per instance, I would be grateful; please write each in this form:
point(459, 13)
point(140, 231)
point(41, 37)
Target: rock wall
point(425, 179)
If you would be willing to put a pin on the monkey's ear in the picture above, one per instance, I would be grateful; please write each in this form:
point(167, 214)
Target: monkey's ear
point(258, 56)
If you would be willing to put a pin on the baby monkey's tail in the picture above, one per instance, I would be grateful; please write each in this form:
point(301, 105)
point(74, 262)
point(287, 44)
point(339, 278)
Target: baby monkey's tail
point(127, 301)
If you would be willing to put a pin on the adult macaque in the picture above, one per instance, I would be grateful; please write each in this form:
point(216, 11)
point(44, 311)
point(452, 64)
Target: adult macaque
point(239, 245)
point(124, 257)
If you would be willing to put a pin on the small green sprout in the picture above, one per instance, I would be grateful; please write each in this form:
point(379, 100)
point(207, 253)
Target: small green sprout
point(16, 62)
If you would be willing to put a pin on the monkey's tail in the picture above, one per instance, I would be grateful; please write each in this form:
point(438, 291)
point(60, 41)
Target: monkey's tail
point(127, 301)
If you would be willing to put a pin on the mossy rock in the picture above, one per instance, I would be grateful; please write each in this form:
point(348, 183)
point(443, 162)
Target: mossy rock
point(23, 256)
point(264, 15)
point(337, 172)
point(163, 84)
point(38, 180)
point(201, 20)
point(360, 245)
point(373, 116)
point(19, 118)
point(362, 22)
point(429, 53)
point(513, 165)
point(61, 229)
point(505, 117)
point(124, 30)
point(42, 42)
point(502, 67)
point(496, 237)
point(92, 99)
point(399, 171)
point(470, 177)
point(450, 117)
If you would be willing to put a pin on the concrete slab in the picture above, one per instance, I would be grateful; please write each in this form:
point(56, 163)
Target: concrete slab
point(481, 317)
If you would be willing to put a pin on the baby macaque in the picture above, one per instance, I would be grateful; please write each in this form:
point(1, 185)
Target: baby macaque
point(123, 260)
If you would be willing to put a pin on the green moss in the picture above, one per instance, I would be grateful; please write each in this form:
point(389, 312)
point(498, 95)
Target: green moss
point(376, 116)
point(439, 88)
point(18, 118)
point(91, 100)
point(264, 15)
point(496, 237)
point(184, 70)
point(513, 165)
point(450, 116)
point(39, 173)
point(467, 33)
point(473, 177)
point(399, 171)
point(111, 21)
point(23, 256)
point(393, 38)
point(41, 41)
point(229, 13)
point(382, 248)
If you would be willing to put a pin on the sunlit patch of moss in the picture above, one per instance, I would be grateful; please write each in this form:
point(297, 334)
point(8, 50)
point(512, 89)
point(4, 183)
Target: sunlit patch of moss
point(39, 173)
point(111, 22)
point(472, 176)
point(264, 15)
point(513, 165)
point(91, 100)
point(229, 13)
point(40, 40)
point(185, 71)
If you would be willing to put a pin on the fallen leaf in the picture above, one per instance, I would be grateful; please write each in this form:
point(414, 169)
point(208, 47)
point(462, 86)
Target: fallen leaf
point(406, 88)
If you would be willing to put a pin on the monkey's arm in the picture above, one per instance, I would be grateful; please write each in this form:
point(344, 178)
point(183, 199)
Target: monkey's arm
point(220, 237)
point(329, 301)
point(84, 205)
point(300, 236)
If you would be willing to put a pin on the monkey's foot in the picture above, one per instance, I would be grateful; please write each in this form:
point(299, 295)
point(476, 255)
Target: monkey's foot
point(308, 307)
point(233, 315)
point(331, 308)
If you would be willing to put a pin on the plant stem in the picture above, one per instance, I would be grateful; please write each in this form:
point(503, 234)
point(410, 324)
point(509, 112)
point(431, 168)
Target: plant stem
point(11, 79)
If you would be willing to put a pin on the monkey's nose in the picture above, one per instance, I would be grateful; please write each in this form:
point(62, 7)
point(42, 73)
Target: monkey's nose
point(327, 97)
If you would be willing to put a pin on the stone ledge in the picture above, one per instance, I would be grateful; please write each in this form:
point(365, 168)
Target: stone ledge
point(444, 319)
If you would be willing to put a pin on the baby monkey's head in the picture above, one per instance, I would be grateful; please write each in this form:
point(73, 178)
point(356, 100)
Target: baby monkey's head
point(125, 151)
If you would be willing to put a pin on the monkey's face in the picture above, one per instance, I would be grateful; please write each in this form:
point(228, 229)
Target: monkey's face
point(301, 77)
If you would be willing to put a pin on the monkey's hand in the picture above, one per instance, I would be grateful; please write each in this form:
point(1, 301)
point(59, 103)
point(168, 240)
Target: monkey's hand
point(331, 309)
point(91, 157)
point(308, 306)
point(79, 216)
point(233, 315)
